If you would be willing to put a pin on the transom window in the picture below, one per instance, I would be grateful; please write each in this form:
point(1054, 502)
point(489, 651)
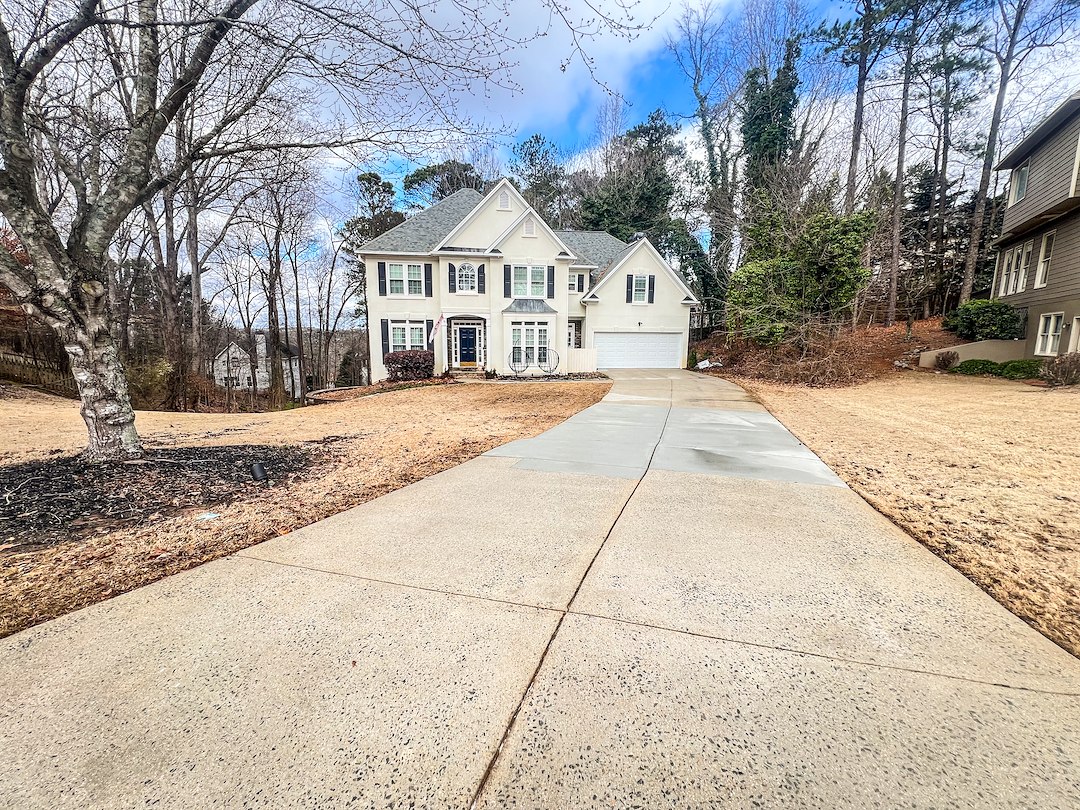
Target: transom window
point(1019, 183)
point(406, 279)
point(1045, 255)
point(407, 335)
point(530, 342)
point(529, 281)
point(1049, 333)
point(641, 289)
point(466, 277)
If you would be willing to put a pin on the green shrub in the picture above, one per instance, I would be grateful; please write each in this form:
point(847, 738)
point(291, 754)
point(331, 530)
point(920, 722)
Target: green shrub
point(1062, 370)
point(1021, 369)
point(986, 320)
point(977, 367)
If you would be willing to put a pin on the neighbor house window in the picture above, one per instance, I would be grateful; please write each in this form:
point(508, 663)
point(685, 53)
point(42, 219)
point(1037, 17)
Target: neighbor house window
point(1025, 265)
point(1018, 270)
point(406, 279)
point(466, 278)
point(1006, 272)
point(641, 289)
point(1049, 333)
point(1043, 273)
point(406, 335)
point(530, 342)
point(529, 281)
point(1019, 183)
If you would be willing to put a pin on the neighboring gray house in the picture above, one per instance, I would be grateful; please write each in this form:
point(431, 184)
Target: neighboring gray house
point(232, 366)
point(1038, 265)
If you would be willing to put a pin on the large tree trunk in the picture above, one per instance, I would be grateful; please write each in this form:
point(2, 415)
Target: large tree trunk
point(860, 106)
point(971, 262)
point(898, 188)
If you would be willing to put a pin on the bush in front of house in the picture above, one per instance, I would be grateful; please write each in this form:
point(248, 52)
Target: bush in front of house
point(1062, 370)
point(413, 364)
point(975, 368)
point(986, 320)
point(946, 360)
point(1021, 369)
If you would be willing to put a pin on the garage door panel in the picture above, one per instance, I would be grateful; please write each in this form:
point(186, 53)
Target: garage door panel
point(638, 349)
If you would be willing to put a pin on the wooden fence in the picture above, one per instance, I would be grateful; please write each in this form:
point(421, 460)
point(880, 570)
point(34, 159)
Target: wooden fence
point(29, 371)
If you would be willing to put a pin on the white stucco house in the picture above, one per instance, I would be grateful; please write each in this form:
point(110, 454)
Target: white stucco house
point(485, 283)
point(232, 366)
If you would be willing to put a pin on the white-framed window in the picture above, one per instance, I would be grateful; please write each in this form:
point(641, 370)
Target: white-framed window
point(1017, 283)
point(466, 278)
point(1046, 252)
point(406, 279)
point(1019, 183)
point(529, 228)
point(530, 342)
point(406, 335)
point(530, 281)
point(1006, 273)
point(641, 290)
point(504, 200)
point(1049, 333)
point(1025, 265)
point(577, 282)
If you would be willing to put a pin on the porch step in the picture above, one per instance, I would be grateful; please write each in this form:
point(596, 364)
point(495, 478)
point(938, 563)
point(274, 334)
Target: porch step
point(467, 373)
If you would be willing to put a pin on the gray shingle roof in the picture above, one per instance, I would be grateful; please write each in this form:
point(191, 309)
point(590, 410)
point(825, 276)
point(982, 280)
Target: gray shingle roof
point(530, 306)
point(424, 230)
point(594, 247)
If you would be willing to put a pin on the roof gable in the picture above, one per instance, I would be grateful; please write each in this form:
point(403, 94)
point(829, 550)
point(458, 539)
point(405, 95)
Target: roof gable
point(425, 230)
point(624, 257)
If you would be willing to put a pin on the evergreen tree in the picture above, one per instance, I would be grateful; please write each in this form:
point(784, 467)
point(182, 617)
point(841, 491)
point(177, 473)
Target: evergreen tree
point(540, 176)
point(430, 184)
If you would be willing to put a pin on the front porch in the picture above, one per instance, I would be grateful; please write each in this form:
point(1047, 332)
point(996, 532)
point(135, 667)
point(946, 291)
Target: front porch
point(466, 343)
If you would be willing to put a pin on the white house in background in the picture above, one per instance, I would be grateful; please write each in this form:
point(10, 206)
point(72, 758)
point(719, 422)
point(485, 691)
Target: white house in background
point(485, 283)
point(232, 366)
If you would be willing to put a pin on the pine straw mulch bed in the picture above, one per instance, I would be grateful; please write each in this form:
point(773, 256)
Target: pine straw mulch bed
point(856, 356)
point(981, 471)
point(122, 526)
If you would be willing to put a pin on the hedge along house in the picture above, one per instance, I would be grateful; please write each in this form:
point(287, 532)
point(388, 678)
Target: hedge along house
point(1038, 261)
point(485, 284)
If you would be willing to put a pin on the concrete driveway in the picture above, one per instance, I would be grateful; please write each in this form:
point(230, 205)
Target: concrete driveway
point(666, 601)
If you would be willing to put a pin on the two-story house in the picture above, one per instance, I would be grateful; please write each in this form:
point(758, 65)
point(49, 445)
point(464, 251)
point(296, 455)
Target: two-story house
point(1038, 264)
point(485, 283)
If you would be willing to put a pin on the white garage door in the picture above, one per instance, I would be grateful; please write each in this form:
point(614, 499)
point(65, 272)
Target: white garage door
point(638, 350)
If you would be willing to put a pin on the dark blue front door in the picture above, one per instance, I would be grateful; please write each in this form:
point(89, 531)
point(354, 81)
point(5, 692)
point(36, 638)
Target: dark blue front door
point(467, 346)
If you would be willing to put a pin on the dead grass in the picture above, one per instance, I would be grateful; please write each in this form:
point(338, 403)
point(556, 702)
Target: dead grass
point(981, 471)
point(358, 450)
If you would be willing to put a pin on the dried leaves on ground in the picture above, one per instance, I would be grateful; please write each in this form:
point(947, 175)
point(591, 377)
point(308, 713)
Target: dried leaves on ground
point(324, 458)
point(981, 471)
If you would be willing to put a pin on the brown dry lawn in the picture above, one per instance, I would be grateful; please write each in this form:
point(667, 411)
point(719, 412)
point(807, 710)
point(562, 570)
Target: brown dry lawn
point(984, 472)
point(359, 449)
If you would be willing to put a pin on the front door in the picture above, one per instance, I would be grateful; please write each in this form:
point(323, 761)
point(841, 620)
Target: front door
point(467, 346)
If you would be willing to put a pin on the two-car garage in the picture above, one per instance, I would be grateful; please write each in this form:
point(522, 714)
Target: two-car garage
point(638, 349)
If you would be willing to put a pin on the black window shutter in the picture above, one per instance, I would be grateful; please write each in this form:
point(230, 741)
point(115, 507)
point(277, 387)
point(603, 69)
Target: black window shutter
point(652, 288)
point(431, 339)
point(382, 278)
point(551, 281)
point(428, 292)
point(507, 270)
point(629, 289)
point(581, 282)
point(453, 278)
point(481, 282)
point(385, 337)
